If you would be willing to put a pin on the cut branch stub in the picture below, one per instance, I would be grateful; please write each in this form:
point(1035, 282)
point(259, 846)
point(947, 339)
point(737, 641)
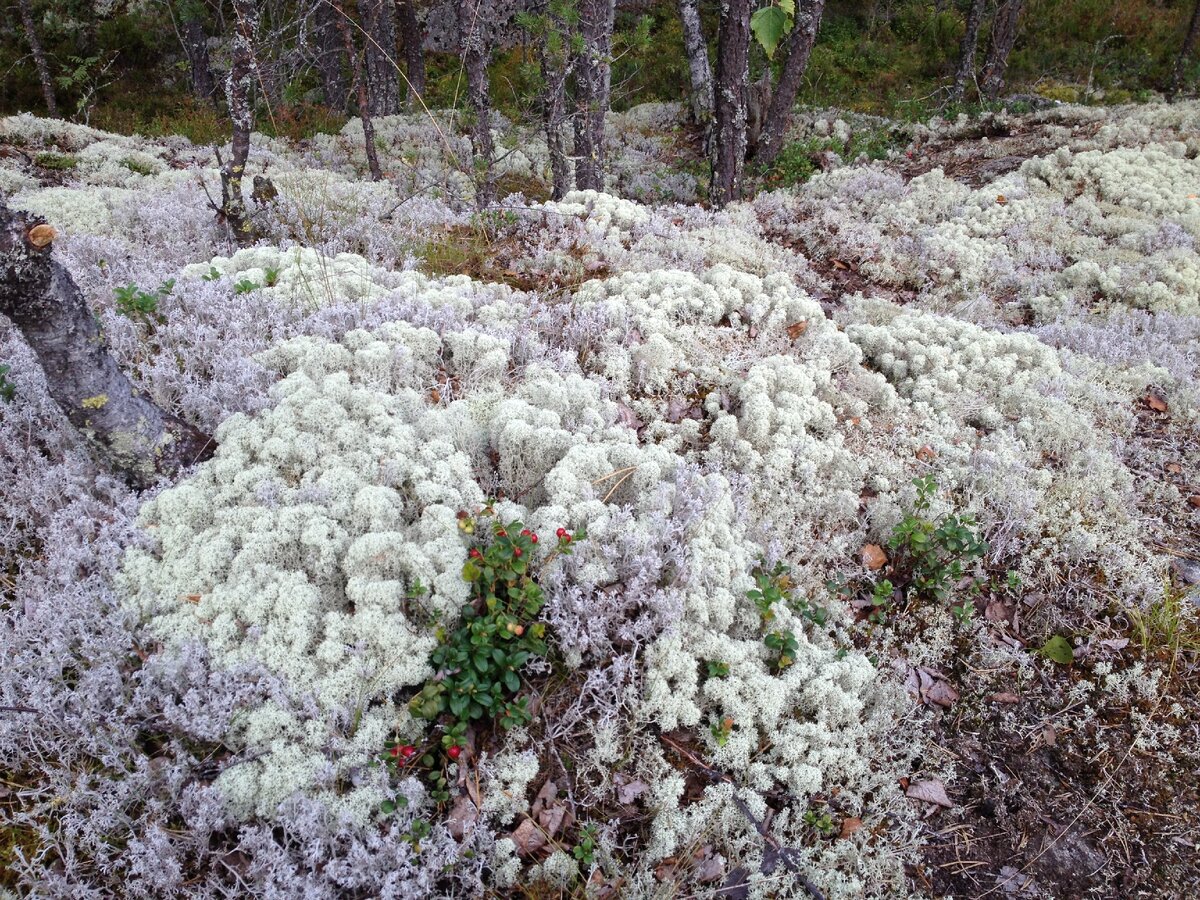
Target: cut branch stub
point(134, 437)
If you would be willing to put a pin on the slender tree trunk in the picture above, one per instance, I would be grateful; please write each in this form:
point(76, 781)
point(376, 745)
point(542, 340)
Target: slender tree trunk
point(593, 81)
point(1004, 38)
point(731, 96)
point(135, 437)
point(39, 58)
point(555, 63)
point(1185, 53)
point(966, 53)
point(360, 85)
point(476, 50)
point(331, 58)
point(799, 48)
point(195, 46)
point(383, 80)
point(413, 36)
point(699, 67)
point(238, 86)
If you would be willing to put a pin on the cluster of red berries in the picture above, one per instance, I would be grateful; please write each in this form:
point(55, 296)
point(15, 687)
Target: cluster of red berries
point(408, 751)
point(564, 535)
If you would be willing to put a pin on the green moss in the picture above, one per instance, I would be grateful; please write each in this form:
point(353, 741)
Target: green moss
point(56, 161)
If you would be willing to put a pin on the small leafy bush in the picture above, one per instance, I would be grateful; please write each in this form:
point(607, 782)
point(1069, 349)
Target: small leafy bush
point(135, 303)
point(930, 556)
point(585, 850)
point(245, 286)
point(479, 662)
point(8, 390)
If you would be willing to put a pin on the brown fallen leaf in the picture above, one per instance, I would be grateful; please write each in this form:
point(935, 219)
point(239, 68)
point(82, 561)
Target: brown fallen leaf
point(192, 598)
point(463, 815)
point(925, 454)
point(435, 396)
point(997, 611)
point(850, 824)
point(873, 557)
point(1194, 500)
point(1001, 199)
point(797, 328)
point(1174, 468)
point(931, 790)
point(942, 693)
point(1155, 402)
point(628, 791)
point(528, 838)
point(1005, 697)
point(838, 264)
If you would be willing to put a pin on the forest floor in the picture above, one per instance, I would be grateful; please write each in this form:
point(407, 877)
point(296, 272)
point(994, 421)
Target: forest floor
point(993, 684)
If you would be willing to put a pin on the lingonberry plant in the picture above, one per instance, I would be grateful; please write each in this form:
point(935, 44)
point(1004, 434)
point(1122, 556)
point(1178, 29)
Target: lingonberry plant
point(479, 663)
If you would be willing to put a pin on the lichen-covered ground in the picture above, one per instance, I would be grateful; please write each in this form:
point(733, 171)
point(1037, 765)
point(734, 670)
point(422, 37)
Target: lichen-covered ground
point(199, 684)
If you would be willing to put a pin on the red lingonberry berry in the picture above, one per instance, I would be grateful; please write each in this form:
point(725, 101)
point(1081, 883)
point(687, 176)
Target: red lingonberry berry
point(395, 751)
point(525, 532)
point(533, 538)
point(517, 552)
point(454, 752)
point(475, 554)
point(501, 533)
point(562, 532)
point(567, 538)
point(408, 751)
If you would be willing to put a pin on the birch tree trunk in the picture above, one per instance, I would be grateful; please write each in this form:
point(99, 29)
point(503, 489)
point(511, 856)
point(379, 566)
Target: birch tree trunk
point(1185, 53)
point(195, 46)
point(593, 81)
point(800, 43)
point(731, 96)
point(39, 58)
point(412, 34)
point(331, 59)
point(383, 79)
point(476, 50)
point(699, 68)
point(360, 85)
point(1004, 38)
point(554, 62)
point(238, 85)
point(966, 54)
point(134, 436)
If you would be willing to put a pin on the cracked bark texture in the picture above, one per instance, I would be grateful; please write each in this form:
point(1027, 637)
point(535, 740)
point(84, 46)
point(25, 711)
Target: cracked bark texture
point(731, 98)
point(195, 47)
point(331, 62)
point(966, 54)
point(593, 85)
point(800, 43)
point(383, 79)
point(1185, 53)
point(1004, 38)
point(474, 46)
point(238, 86)
point(360, 87)
point(39, 58)
point(699, 68)
point(132, 435)
point(555, 66)
point(412, 35)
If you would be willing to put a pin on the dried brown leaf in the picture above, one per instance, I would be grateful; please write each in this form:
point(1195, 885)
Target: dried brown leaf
point(873, 557)
point(528, 838)
point(850, 824)
point(931, 790)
